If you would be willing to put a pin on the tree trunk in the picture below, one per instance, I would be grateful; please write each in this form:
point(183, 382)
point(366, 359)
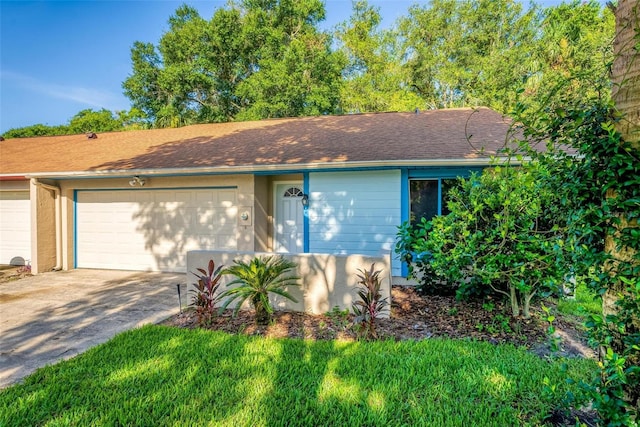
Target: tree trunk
point(262, 315)
point(625, 76)
point(526, 304)
point(513, 296)
point(625, 72)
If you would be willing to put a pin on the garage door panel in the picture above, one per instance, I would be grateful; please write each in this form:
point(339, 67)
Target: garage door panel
point(15, 227)
point(151, 229)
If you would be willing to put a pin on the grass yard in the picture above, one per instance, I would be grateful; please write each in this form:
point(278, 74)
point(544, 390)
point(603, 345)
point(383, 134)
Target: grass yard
point(585, 303)
point(159, 376)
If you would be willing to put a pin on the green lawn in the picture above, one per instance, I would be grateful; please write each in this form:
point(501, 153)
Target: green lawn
point(160, 376)
point(585, 302)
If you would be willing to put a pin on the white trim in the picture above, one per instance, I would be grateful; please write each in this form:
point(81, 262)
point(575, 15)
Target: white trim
point(263, 168)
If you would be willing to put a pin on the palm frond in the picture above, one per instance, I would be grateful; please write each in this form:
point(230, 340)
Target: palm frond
point(256, 279)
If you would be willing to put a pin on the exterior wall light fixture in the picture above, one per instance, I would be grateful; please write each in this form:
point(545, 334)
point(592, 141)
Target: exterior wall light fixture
point(136, 181)
point(305, 200)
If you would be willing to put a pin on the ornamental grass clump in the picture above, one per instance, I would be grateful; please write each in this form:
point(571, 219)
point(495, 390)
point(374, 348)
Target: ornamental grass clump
point(371, 303)
point(258, 279)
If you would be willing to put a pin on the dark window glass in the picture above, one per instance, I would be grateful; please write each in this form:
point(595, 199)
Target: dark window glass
point(424, 199)
point(423, 194)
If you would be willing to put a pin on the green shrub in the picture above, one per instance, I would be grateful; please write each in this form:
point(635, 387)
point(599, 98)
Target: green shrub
point(503, 235)
point(410, 246)
point(257, 279)
point(600, 193)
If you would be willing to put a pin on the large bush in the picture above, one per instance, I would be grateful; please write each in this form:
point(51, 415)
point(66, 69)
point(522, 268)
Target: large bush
point(504, 234)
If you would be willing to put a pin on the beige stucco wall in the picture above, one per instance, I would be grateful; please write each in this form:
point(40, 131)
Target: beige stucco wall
point(43, 229)
point(327, 280)
point(261, 213)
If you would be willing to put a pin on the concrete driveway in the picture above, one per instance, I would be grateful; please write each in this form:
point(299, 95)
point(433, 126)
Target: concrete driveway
point(57, 315)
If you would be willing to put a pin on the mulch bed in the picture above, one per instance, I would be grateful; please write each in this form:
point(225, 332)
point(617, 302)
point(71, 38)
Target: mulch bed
point(412, 317)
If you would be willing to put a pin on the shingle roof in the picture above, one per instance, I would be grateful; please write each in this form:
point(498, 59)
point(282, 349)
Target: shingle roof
point(382, 137)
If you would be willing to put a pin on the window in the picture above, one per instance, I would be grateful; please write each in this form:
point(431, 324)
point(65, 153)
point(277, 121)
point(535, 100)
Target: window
point(293, 192)
point(428, 197)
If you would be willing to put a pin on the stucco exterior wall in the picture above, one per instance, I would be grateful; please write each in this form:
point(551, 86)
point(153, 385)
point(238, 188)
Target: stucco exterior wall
point(327, 280)
point(261, 213)
point(43, 229)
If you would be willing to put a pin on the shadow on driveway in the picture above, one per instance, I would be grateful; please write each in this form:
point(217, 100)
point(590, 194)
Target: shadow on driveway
point(57, 315)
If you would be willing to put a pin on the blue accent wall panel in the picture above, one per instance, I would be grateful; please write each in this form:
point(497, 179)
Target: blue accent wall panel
point(355, 213)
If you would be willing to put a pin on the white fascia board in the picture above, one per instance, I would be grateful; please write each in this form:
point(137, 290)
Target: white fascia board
point(302, 167)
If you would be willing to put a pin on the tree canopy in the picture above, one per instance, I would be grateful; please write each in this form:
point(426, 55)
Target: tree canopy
point(256, 59)
point(84, 121)
point(374, 76)
point(268, 58)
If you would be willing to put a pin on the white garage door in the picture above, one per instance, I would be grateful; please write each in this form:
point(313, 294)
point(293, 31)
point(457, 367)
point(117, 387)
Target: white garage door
point(152, 230)
point(15, 227)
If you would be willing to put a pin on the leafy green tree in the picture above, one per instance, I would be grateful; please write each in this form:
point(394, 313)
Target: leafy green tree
point(621, 301)
point(374, 79)
point(87, 120)
point(36, 130)
point(254, 59)
point(572, 55)
point(132, 119)
point(494, 53)
point(171, 83)
point(95, 121)
point(297, 73)
point(469, 52)
point(600, 192)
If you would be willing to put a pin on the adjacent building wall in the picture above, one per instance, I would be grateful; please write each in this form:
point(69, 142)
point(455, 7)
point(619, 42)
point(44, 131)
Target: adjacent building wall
point(15, 222)
point(327, 280)
point(43, 229)
point(355, 212)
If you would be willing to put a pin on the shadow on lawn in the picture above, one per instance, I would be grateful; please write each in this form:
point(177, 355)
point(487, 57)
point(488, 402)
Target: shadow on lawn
point(171, 376)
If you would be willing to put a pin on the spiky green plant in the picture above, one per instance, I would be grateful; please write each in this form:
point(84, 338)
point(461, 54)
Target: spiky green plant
point(256, 280)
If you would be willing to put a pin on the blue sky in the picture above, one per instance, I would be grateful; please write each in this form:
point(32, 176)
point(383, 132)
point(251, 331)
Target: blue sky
point(60, 57)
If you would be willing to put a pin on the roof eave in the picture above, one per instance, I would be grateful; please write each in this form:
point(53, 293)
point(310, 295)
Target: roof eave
point(301, 167)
